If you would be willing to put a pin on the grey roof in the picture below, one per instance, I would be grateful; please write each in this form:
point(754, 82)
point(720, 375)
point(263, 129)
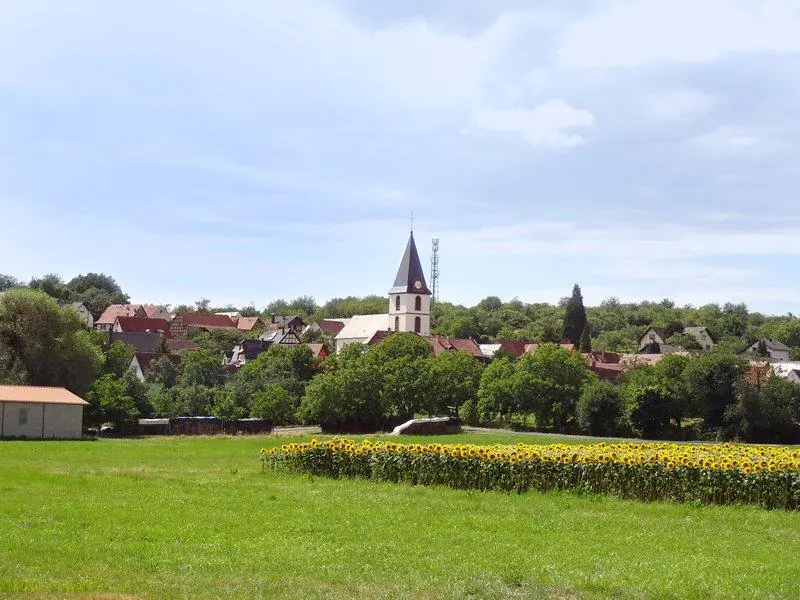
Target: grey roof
point(776, 345)
point(410, 271)
point(141, 342)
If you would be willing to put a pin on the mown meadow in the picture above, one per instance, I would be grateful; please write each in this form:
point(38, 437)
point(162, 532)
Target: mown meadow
point(197, 517)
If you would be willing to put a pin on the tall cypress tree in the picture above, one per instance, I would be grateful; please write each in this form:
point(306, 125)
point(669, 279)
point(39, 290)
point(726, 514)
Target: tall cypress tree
point(586, 340)
point(575, 317)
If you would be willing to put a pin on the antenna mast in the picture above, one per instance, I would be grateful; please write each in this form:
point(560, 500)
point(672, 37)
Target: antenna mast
point(435, 269)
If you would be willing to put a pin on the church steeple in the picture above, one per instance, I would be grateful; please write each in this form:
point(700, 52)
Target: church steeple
point(410, 278)
point(410, 298)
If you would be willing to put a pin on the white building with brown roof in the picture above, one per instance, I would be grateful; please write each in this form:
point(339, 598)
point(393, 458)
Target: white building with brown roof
point(40, 412)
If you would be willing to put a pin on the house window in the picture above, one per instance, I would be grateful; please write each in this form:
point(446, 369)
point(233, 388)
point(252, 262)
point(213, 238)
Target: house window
point(397, 302)
point(417, 324)
point(397, 323)
point(417, 303)
point(23, 416)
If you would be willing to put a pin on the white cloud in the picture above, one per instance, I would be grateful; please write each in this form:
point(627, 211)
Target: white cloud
point(678, 105)
point(731, 142)
point(548, 124)
point(633, 33)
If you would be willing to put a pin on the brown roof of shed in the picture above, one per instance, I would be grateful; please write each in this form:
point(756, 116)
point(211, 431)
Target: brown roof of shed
point(38, 395)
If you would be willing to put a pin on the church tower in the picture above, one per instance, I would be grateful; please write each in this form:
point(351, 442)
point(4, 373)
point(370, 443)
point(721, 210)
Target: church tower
point(410, 298)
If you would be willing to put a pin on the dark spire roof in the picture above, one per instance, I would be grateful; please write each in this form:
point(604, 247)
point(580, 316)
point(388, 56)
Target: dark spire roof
point(410, 271)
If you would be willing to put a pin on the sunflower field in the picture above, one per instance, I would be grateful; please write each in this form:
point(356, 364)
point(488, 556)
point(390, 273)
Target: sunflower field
point(767, 476)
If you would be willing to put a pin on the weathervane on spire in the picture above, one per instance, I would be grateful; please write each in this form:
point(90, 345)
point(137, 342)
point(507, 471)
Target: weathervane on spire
point(412, 220)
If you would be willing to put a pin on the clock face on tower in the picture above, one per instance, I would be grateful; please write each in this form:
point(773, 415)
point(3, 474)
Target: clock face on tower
point(417, 285)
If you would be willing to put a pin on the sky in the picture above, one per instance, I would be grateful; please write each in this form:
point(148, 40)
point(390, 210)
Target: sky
point(253, 150)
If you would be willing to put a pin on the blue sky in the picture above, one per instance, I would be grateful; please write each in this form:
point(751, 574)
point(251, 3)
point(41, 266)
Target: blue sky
point(253, 150)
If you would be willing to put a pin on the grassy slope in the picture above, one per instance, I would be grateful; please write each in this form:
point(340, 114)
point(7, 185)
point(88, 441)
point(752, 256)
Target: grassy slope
point(195, 517)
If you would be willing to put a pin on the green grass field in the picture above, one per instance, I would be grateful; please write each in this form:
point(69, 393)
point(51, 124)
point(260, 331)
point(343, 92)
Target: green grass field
point(196, 518)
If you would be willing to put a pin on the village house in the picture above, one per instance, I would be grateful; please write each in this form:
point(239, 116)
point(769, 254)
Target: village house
point(290, 322)
point(655, 338)
point(141, 325)
point(183, 321)
point(280, 337)
point(83, 312)
point(110, 314)
point(157, 311)
point(40, 412)
point(769, 349)
point(139, 341)
point(328, 327)
point(249, 324)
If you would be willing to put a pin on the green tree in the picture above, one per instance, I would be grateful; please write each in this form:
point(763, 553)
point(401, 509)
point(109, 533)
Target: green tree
point(711, 381)
point(194, 400)
point(496, 394)
point(162, 372)
point(52, 285)
point(586, 340)
point(118, 359)
point(454, 381)
point(97, 291)
point(274, 404)
point(575, 317)
point(600, 408)
point(764, 413)
point(203, 368)
point(138, 392)
point(224, 406)
point(649, 412)
point(7, 282)
point(548, 383)
point(43, 344)
point(347, 396)
point(164, 401)
point(109, 401)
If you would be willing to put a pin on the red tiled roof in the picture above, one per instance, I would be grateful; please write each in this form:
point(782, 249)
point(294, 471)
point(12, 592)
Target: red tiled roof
point(532, 348)
point(143, 325)
point(181, 344)
point(603, 357)
point(330, 327)
point(318, 350)
point(379, 335)
point(151, 309)
point(111, 313)
point(248, 323)
point(38, 395)
point(608, 371)
point(513, 347)
point(194, 319)
point(443, 344)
